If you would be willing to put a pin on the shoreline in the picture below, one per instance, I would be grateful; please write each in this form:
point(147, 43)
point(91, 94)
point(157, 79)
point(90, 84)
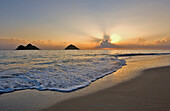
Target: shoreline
point(148, 92)
point(35, 100)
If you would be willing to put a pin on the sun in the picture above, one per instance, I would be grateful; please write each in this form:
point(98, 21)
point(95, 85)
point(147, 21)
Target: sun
point(115, 38)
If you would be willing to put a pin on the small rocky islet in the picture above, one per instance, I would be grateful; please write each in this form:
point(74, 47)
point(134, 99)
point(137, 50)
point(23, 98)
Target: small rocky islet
point(72, 47)
point(28, 47)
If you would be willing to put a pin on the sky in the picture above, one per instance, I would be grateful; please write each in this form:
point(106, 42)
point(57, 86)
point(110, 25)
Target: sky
point(88, 24)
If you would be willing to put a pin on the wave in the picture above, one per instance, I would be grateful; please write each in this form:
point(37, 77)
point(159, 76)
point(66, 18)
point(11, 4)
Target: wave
point(140, 54)
point(62, 76)
point(125, 54)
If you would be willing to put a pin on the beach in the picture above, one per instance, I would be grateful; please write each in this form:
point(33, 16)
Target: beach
point(141, 84)
point(85, 55)
point(148, 92)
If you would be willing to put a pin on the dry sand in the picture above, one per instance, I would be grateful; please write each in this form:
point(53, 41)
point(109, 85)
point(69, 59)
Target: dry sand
point(148, 92)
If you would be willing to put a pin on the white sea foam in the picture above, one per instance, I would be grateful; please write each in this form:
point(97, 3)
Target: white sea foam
point(52, 72)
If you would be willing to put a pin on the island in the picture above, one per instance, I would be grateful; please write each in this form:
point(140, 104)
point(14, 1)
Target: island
point(28, 47)
point(71, 47)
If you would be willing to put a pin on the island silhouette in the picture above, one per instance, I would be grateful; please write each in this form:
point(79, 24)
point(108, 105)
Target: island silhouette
point(28, 47)
point(71, 47)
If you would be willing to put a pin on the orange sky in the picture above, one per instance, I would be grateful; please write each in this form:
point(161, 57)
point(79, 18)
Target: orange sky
point(128, 24)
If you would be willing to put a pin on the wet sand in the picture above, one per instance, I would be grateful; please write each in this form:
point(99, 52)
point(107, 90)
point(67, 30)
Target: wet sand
point(148, 92)
point(34, 100)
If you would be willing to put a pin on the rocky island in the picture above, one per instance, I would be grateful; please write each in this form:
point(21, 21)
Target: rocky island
point(71, 47)
point(28, 47)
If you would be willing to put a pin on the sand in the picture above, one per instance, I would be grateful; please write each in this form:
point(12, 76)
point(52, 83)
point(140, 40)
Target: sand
point(148, 92)
point(34, 100)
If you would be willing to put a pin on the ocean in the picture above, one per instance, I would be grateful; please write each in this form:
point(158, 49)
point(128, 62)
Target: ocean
point(61, 70)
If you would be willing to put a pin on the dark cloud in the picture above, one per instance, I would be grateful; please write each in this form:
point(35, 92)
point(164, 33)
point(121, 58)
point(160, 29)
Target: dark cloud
point(106, 37)
point(106, 44)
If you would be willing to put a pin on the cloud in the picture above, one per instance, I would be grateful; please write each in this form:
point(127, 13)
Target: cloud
point(142, 43)
point(138, 43)
point(141, 40)
point(163, 41)
point(105, 42)
point(106, 37)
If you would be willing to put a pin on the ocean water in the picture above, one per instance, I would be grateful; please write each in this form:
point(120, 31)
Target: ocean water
point(61, 70)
